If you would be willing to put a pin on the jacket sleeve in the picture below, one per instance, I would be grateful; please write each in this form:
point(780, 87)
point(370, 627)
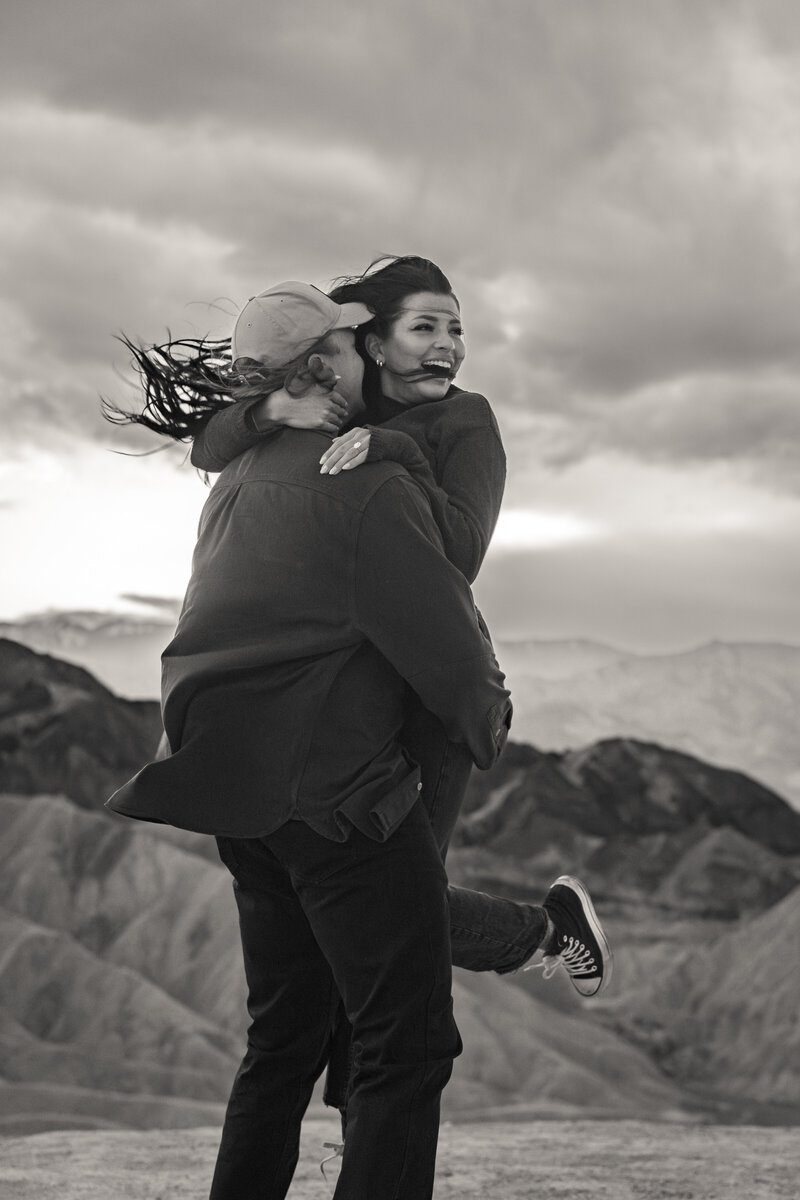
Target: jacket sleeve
point(417, 609)
point(466, 490)
point(227, 434)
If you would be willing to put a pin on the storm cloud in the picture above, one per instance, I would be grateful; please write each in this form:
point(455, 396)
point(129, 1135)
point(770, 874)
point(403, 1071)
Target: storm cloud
point(613, 190)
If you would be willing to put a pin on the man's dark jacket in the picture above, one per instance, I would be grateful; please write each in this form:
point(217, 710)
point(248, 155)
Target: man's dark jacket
point(314, 600)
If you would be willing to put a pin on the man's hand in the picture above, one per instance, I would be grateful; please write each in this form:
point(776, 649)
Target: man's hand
point(346, 452)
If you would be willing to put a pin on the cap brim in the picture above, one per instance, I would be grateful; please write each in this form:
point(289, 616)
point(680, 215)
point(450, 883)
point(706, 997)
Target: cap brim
point(353, 313)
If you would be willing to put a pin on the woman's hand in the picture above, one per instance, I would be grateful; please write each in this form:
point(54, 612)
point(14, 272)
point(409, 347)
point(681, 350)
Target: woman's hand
point(319, 408)
point(345, 452)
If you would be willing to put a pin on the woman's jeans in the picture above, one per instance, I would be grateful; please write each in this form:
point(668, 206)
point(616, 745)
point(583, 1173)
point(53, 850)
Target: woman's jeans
point(368, 922)
point(487, 933)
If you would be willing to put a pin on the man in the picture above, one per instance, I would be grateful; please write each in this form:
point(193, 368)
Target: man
point(312, 602)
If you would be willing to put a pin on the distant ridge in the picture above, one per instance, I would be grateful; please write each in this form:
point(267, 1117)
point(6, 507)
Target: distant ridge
point(560, 659)
point(644, 825)
point(61, 731)
point(122, 650)
point(733, 704)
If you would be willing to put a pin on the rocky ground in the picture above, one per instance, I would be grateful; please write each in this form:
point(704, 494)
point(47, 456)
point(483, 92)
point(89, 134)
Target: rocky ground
point(545, 1160)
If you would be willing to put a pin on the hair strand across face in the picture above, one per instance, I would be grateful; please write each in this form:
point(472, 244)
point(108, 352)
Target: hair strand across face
point(384, 288)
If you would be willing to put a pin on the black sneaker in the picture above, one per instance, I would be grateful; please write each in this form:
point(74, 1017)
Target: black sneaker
point(581, 947)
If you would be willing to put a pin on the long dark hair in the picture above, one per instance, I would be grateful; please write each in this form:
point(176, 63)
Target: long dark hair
point(186, 380)
point(387, 282)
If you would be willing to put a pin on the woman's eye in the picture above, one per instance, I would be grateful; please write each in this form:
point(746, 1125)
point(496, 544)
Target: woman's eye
point(424, 326)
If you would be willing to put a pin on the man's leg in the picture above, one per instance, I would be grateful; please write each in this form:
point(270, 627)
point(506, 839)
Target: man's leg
point(381, 919)
point(445, 768)
point(290, 999)
point(487, 933)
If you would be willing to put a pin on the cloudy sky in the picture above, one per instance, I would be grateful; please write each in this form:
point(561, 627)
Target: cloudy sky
point(612, 186)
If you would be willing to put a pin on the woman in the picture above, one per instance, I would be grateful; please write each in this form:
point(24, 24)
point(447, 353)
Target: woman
point(447, 439)
point(449, 442)
point(412, 352)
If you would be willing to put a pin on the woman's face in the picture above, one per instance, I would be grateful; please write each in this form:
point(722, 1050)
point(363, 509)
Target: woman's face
point(423, 349)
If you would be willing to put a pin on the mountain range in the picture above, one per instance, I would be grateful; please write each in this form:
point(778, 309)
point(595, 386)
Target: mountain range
point(730, 703)
point(696, 871)
point(733, 704)
point(123, 651)
point(121, 990)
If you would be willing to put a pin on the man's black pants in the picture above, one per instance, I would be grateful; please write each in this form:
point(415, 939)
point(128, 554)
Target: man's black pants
point(367, 921)
point(487, 933)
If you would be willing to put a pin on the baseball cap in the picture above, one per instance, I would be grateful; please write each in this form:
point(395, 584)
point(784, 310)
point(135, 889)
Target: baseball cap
point(278, 325)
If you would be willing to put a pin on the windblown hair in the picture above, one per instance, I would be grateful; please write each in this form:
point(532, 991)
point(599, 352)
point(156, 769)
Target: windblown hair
point(384, 289)
point(187, 380)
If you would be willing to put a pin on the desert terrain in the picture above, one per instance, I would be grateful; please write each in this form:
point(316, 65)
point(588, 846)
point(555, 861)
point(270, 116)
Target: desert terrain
point(122, 1008)
point(541, 1160)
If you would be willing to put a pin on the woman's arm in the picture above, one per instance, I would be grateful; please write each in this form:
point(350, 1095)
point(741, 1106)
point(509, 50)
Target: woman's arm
point(238, 426)
point(453, 451)
point(227, 434)
point(466, 490)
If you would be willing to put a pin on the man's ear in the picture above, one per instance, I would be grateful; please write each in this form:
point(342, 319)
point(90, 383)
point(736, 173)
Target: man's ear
point(316, 365)
point(314, 372)
point(373, 345)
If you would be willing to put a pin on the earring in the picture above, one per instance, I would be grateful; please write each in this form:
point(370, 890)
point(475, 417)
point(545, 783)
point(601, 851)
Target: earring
point(378, 362)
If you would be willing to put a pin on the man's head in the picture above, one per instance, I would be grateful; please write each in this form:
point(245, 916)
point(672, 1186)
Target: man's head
point(334, 363)
point(296, 329)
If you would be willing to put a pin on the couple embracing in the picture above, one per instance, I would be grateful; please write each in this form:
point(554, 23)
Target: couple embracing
point(329, 687)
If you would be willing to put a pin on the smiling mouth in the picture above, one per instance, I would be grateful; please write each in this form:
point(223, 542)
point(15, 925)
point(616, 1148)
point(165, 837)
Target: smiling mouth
point(439, 367)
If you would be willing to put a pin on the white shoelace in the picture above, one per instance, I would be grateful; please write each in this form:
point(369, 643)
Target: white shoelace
point(575, 958)
point(338, 1151)
point(549, 965)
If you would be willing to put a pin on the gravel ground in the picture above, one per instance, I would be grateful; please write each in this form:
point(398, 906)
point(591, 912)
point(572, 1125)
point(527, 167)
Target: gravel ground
point(541, 1160)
